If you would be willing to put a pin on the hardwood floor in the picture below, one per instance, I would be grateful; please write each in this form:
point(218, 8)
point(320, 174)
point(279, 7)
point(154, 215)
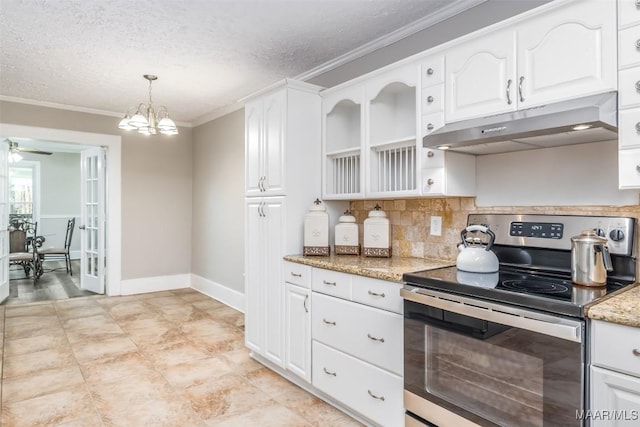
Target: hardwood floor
point(55, 284)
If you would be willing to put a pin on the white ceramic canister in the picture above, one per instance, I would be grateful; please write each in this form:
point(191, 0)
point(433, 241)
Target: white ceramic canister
point(316, 230)
point(346, 235)
point(377, 234)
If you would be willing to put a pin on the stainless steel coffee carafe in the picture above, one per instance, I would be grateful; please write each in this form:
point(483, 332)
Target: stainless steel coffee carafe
point(590, 259)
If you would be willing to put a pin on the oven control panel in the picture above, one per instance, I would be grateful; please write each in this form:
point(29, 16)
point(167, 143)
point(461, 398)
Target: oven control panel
point(540, 230)
point(555, 231)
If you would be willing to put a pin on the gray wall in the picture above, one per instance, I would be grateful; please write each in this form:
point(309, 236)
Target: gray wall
point(156, 188)
point(217, 245)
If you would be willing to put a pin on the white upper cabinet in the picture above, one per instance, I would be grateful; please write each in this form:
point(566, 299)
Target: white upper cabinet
point(265, 123)
point(343, 173)
point(480, 77)
point(391, 144)
point(566, 52)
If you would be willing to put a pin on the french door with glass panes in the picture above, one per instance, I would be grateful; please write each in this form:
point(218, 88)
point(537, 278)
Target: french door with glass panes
point(4, 222)
point(92, 228)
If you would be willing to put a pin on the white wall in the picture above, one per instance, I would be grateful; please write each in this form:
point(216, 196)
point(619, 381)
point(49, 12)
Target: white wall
point(573, 175)
point(59, 196)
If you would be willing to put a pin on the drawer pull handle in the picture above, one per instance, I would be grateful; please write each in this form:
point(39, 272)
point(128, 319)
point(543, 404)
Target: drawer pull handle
point(509, 91)
point(304, 303)
point(296, 274)
point(636, 352)
point(333, 374)
point(328, 322)
point(375, 339)
point(374, 294)
point(329, 283)
point(374, 396)
point(520, 87)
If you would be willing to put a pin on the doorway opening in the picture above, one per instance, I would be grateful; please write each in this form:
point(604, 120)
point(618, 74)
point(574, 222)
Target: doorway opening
point(110, 272)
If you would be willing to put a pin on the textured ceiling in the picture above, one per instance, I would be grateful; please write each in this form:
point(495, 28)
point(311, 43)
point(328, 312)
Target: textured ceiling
point(206, 53)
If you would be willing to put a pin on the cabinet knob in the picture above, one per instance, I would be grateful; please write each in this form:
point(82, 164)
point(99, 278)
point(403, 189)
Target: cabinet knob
point(430, 181)
point(638, 127)
point(636, 352)
point(429, 71)
point(429, 99)
point(638, 82)
point(431, 153)
point(430, 126)
point(638, 44)
point(637, 3)
point(637, 168)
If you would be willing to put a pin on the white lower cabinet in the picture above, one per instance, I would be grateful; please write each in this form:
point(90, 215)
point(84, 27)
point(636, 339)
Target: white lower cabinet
point(298, 331)
point(371, 391)
point(357, 344)
point(615, 375)
point(618, 395)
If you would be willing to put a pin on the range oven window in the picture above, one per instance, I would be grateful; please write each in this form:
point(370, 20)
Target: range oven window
point(483, 370)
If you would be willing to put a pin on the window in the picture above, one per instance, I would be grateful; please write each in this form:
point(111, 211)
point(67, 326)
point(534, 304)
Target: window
point(24, 180)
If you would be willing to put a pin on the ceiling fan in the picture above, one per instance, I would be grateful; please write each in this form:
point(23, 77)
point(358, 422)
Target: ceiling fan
point(15, 150)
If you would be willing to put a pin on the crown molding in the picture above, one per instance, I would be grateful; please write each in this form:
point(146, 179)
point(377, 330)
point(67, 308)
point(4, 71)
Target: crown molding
point(393, 37)
point(71, 108)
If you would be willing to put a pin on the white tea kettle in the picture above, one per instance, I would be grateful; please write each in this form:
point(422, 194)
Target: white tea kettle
point(474, 257)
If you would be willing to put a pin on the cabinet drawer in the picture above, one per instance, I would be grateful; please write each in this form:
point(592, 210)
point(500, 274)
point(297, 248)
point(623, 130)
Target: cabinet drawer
point(629, 168)
point(331, 283)
point(378, 293)
point(433, 181)
point(358, 385)
point(371, 334)
point(298, 274)
point(629, 87)
point(616, 347)
point(431, 122)
point(628, 134)
point(433, 99)
point(629, 47)
point(432, 71)
point(628, 13)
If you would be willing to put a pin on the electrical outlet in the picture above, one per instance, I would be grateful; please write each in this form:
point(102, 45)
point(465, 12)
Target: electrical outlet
point(436, 225)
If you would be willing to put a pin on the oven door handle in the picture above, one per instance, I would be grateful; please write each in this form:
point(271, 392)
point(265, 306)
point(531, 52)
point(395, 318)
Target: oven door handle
point(558, 327)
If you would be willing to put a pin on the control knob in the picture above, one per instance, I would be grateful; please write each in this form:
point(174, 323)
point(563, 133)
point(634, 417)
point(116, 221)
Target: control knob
point(600, 232)
point(616, 235)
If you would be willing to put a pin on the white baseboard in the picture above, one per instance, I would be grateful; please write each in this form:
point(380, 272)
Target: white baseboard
point(154, 284)
point(220, 292)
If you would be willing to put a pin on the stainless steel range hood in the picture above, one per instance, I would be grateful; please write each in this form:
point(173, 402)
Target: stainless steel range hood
point(538, 127)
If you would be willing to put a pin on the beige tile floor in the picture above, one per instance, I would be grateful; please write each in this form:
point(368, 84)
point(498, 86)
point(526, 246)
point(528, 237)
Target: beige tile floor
point(174, 358)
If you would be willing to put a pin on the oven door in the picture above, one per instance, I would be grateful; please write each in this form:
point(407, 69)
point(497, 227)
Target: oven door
point(470, 361)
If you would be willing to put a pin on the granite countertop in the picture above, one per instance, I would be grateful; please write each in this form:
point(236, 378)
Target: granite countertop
point(622, 308)
point(379, 268)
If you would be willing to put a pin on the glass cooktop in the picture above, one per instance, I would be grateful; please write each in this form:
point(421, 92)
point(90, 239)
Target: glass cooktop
point(546, 291)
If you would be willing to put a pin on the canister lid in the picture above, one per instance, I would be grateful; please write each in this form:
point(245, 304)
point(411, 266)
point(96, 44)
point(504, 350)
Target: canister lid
point(317, 206)
point(347, 217)
point(377, 212)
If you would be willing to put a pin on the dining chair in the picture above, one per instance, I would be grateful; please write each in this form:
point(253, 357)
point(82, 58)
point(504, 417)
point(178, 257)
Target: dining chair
point(23, 247)
point(48, 254)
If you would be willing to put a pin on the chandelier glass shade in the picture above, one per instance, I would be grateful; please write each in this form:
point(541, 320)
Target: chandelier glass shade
point(146, 119)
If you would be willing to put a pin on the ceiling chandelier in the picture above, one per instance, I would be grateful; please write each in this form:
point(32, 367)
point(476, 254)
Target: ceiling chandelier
point(146, 119)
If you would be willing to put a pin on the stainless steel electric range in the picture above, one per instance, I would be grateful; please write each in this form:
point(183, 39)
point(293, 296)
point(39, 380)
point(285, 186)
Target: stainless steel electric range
point(508, 348)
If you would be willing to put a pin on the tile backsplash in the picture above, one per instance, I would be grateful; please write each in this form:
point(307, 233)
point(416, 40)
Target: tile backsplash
point(410, 221)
